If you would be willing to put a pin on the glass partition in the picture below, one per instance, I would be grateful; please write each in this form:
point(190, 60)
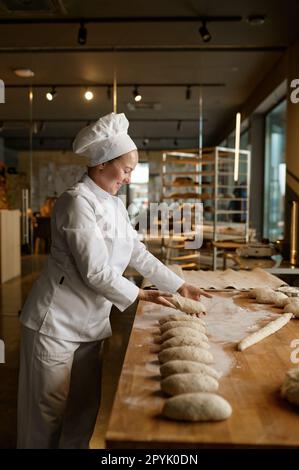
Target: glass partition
point(275, 173)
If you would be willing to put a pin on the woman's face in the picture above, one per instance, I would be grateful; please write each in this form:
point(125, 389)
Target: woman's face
point(110, 176)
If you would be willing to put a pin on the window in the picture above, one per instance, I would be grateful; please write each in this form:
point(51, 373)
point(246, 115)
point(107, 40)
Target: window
point(275, 173)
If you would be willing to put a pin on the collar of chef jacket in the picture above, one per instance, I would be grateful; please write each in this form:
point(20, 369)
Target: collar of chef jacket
point(99, 192)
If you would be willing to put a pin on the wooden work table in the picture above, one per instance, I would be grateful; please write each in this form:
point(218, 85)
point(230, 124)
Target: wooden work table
point(261, 418)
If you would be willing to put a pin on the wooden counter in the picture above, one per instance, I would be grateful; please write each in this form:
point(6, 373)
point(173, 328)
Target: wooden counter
point(260, 417)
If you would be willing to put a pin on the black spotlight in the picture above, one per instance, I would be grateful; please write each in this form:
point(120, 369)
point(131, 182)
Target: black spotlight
point(109, 93)
point(203, 31)
point(136, 94)
point(82, 34)
point(188, 92)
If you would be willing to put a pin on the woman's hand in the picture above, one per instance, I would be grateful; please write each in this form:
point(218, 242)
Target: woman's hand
point(192, 292)
point(155, 296)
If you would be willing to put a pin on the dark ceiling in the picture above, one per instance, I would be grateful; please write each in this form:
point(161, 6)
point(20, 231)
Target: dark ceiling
point(155, 44)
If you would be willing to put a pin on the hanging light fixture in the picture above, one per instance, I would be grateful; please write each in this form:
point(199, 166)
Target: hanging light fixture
point(237, 147)
point(109, 94)
point(88, 95)
point(50, 95)
point(136, 94)
point(204, 32)
point(82, 34)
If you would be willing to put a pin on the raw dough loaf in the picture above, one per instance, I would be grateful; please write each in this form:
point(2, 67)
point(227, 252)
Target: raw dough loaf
point(267, 330)
point(190, 306)
point(184, 341)
point(290, 386)
point(189, 353)
point(181, 367)
point(292, 306)
point(176, 324)
point(265, 295)
point(183, 331)
point(189, 383)
point(197, 407)
point(182, 317)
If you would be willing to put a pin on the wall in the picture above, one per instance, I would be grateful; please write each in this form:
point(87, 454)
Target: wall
point(53, 172)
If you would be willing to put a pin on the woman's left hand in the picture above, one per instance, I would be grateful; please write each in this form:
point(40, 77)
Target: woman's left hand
point(192, 292)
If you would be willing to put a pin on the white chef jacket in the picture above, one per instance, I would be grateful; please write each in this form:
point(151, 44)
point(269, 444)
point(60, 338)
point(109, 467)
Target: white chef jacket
point(92, 244)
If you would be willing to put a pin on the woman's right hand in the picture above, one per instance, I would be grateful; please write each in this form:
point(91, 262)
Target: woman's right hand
point(155, 296)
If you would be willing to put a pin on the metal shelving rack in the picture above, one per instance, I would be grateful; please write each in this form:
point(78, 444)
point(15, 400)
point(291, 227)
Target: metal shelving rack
point(213, 175)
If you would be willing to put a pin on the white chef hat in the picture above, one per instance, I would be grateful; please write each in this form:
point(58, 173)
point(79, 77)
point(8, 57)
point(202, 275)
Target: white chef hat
point(105, 139)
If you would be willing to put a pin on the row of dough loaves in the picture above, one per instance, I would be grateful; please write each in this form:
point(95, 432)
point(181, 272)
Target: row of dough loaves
point(186, 370)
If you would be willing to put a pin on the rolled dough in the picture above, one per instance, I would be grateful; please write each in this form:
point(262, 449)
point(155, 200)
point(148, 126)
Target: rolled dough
point(190, 306)
point(176, 324)
point(183, 331)
point(189, 353)
point(184, 341)
point(180, 367)
point(269, 296)
point(197, 407)
point(189, 383)
point(290, 386)
point(267, 330)
point(181, 317)
point(292, 306)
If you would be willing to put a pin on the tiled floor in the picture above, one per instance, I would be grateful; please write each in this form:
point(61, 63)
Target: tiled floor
point(12, 295)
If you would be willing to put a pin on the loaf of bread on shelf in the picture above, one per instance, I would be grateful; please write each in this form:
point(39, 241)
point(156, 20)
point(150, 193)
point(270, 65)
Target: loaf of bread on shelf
point(183, 180)
point(189, 195)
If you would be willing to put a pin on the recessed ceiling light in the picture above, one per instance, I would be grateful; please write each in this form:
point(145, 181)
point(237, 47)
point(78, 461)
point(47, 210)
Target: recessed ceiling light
point(256, 20)
point(23, 73)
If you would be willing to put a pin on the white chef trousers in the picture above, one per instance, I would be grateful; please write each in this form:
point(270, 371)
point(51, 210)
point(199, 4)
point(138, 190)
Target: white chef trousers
point(59, 391)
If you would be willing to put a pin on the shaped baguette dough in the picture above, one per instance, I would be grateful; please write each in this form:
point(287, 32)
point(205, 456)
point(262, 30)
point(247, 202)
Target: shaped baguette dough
point(197, 407)
point(181, 367)
point(183, 331)
point(189, 353)
point(181, 317)
point(265, 295)
point(267, 330)
point(290, 386)
point(176, 324)
point(189, 383)
point(190, 306)
point(292, 306)
point(184, 341)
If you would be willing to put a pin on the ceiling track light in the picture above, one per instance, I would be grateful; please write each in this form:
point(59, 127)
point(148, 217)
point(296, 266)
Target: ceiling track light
point(136, 94)
point(88, 95)
point(256, 20)
point(175, 142)
point(37, 126)
point(188, 92)
point(204, 32)
point(109, 93)
point(82, 34)
point(50, 95)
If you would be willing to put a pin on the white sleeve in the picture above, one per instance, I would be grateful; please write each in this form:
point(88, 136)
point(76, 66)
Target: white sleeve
point(150, 267)
point(87, 245)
